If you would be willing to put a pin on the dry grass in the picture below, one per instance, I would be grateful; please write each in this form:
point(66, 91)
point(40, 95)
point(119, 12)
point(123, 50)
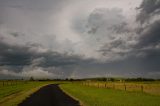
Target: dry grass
point(149, 87)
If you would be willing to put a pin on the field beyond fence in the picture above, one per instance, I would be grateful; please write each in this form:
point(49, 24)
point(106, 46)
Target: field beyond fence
point(146, 87)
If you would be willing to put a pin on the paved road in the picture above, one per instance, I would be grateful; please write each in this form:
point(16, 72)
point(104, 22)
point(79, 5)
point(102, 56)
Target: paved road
point(50, 95)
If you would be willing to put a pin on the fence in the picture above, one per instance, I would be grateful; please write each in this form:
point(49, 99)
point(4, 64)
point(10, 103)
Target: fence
point(11, 83)
point(140, 87)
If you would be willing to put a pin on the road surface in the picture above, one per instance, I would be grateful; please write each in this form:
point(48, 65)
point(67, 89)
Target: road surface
point(50, 95)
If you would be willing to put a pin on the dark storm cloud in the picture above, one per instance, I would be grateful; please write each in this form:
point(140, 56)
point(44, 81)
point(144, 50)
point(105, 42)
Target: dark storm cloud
point(150, 31)
point(148, 8)
point(129, 67)
point(15, 55)
point(151, 36)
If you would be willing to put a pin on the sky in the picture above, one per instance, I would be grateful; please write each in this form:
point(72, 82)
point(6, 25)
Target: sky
point(79, 38)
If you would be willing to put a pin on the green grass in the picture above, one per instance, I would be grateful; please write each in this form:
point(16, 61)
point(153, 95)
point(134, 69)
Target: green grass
point(12, 95)
point(92, 96)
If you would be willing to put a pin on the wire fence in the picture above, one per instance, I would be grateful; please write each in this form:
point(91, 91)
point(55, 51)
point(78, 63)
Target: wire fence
point(11, 83)
point(139, 87)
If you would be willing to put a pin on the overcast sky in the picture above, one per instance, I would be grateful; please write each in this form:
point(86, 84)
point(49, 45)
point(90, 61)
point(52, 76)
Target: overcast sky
point(79, 38)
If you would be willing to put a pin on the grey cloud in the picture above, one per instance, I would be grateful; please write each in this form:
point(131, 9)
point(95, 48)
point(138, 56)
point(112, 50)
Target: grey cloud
point(137, 50)
point(110, 33)
point(108, 47)
point(103, 18)
point(31, 4)
point(16, 34)
point(106, 29)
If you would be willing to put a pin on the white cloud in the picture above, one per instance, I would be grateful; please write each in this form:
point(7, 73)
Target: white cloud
point(35, 72)
point(8, 73)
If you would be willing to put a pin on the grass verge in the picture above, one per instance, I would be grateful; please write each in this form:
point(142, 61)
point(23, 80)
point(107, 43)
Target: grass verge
point(91, 96)
point(13, 95)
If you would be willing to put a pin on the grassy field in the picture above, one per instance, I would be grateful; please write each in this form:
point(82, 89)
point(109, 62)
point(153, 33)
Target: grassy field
point(13, 92)
point(94, 96)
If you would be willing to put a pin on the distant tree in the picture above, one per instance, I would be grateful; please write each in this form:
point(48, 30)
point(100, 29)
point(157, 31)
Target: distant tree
point(31, 79)
point(71, 79)
point(112, 79)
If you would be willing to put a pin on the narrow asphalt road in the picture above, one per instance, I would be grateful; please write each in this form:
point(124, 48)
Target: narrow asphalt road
point(50, 95)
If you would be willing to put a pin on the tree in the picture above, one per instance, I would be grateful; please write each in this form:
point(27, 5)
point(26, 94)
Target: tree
point(31, 79)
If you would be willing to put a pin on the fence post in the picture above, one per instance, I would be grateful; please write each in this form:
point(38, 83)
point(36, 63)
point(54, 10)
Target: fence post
point(142, 88)
point(125, 88)
point(113, 86)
